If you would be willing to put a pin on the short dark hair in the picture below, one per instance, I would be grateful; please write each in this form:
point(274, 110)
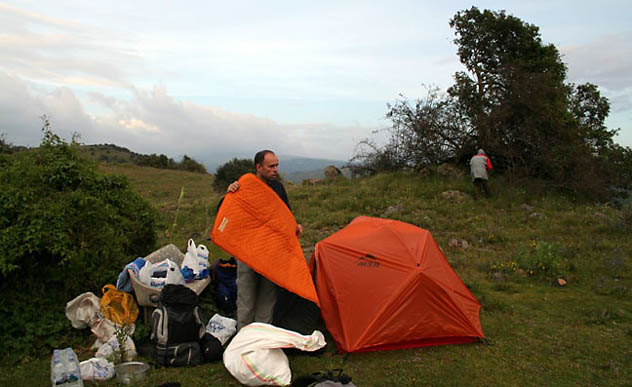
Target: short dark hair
point(260, 156)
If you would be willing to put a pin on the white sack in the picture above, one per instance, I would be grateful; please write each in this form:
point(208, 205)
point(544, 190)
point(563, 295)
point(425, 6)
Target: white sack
point(254, 356)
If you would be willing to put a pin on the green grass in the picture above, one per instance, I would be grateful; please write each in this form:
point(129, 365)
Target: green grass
point(539, 334)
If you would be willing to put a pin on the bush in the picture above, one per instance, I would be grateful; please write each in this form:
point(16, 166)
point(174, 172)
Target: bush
point(231, 171)
point(65, 229)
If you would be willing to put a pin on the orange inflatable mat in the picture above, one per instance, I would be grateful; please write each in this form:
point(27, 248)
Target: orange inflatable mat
point(256, 227)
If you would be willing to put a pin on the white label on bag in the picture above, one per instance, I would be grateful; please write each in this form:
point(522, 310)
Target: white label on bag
point(222, 225)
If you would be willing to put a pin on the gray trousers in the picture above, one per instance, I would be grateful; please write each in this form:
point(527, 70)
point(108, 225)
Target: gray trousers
point(256, 296)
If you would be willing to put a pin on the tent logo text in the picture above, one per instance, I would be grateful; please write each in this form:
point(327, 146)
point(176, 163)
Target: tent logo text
point(368, 260)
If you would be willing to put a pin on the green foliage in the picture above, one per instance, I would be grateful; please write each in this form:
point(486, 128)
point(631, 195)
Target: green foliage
point(231, 171)
point(164, 162)
point(65, 229)
point(543, 260)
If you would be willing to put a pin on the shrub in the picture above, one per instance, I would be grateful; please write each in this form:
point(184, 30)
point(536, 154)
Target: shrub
point(65, 229)
point(231, 171)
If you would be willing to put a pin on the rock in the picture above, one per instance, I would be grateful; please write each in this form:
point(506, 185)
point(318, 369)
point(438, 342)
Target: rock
point(535, 215)
point(394, 209)
point(454, 195)
point(331, 172)
point(311, 181)
point(526, 207)
point(449, 170)
point(458, 243)
point(425, 171)
point(498, 277)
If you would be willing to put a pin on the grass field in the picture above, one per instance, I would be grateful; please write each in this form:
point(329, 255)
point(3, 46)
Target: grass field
point(509, 250)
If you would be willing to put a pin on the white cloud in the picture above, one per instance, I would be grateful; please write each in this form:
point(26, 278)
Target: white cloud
point(135, 124)
point(605, 61)
point(152, 121)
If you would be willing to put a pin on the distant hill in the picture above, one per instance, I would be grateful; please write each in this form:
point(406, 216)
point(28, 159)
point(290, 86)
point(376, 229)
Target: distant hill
point(293, 168)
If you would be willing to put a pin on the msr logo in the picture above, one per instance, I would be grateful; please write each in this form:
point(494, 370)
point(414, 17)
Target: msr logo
point(368, 260)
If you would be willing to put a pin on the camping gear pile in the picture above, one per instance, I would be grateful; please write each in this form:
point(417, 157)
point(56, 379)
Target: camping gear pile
point(377, 284)
point(111, 318)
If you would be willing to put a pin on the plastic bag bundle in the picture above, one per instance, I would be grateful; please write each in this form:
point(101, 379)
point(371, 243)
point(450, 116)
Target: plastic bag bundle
point(222, 328)
point(254, 356)
point(118, 306)
point(196, 260)
point(64, 368)
point(112, 345)
point(155, 274)
point(97, 370)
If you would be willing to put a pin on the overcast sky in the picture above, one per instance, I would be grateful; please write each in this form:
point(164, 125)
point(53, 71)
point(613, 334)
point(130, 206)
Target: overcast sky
point(230, 78)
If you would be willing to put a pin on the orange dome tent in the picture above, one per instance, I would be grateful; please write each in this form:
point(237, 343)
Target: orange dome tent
point(385, 284)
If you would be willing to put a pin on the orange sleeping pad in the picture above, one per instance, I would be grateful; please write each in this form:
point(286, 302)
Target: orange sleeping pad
point(254, 225)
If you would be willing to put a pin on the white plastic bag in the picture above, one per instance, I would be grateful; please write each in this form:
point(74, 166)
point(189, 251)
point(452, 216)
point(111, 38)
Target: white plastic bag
point(254, 356)
point(174, 276)
point(222, 328)
point(85, 310)
point(112, 345)
point(147, 276)
point(202, 257)
point(97, 370)
point(191, 258)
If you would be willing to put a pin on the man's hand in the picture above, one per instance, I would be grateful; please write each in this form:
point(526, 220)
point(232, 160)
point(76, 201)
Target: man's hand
point(299, 229)
point(233, 187)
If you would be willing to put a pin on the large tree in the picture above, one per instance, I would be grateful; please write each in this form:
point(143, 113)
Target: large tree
point(513, 101)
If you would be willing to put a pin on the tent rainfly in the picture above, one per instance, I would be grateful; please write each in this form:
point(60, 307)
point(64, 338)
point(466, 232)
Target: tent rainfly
point(385, 284)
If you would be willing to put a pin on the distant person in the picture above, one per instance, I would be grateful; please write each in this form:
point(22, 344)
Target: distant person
point(256, 295)
point(479, 165)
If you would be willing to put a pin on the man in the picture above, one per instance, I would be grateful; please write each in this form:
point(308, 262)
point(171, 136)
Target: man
point(256, 295)
point(479, 165)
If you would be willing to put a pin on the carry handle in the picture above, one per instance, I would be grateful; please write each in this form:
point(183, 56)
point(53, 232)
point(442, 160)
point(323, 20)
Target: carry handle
point(108, 287)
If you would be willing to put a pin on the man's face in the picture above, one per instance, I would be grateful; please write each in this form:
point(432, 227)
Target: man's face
point(269, 168)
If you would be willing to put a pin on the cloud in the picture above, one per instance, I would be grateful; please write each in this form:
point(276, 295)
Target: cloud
point(60, 52)
point(152, 121)
point(605, 61)
point(136, 124)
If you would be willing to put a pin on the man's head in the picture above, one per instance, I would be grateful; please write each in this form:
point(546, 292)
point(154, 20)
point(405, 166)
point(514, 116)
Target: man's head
point(267, 165)
point(481, 151)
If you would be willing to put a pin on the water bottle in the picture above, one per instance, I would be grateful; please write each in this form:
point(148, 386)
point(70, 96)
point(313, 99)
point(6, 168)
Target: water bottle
point(58, 374)
point(73, 372)
point(65, 369)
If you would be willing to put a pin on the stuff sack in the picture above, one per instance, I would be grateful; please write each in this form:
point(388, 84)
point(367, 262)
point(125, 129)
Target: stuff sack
point(254, 356)
point(176, 321)
point(184, 354)
point(118, 306)
point(211, 347)
point(224, 277)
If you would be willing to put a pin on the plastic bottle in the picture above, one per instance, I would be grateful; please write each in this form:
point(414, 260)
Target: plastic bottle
point(73, 371)
point(58, 374)
point(65, 369)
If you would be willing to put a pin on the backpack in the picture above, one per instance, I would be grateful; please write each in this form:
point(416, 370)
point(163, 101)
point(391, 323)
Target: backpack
point(177, 327)
point(224, 277)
